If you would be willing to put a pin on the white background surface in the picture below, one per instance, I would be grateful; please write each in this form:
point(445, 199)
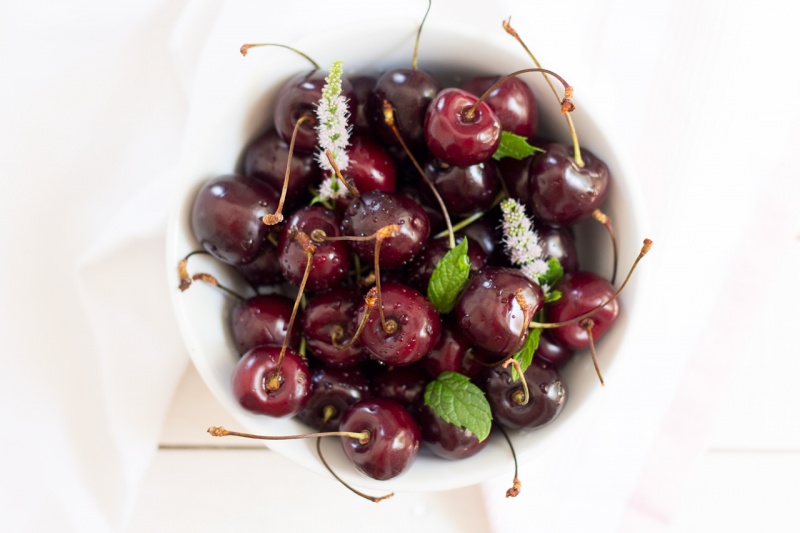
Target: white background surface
point(700, 97)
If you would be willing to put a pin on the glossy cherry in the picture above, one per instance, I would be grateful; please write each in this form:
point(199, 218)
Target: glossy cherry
point(410, 92)
point(226, 217)
point(371, 167)
point(561, 192)
point(402, 384)
point(420, 269)
point(459, 133)
point(447, 440)
point(257, 367)
point(394, 438)
point(453, 353)
point(262, 319)
point(580, 293)
point(559, 242)
point(333, 391)
point(489, 311)
point(464, 190)
point(513, 103)
point(325, 313)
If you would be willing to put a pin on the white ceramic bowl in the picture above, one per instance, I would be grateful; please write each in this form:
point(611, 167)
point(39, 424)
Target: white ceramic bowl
point(236, 105)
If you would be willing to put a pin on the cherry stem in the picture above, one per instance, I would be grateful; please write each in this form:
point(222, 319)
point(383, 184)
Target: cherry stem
point(566, 103)
point(277, 216)
point(388, 117)
point(246, 47)
point(391, 230)
point(517, 485)
point(526, 395)
point(362, 436)
point(472, 218)
point(575, 144)
point(374, 499)
point(606, 221)
point(416, 41)
point(588, 324)
point(186, 279)
point(274, 382)
point(350, 187)
point(645, 248)
point(369, 301)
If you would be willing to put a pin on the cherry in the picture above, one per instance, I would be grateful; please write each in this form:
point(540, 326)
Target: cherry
point(561, 191)
point(458, 132)
point(580, 293)
point(335, 310)
point(377, 209)
point(516, 174)
point(420, 269)
point(547, 396)
point(495, 308)
point(412, 322)
point(266, 158)
point(264, 269)
point(552, 352)
point(226, 217)
point(299, 97)
point(333, 391)
point(410, 92)
point(362, 87)
point(331, 260)
point(487, 234)
point(448, 440)
point(262, 319)
point(371, 167)
point(453, 353)
point(558, 242)
point(393, 442)
point(513, 103)
point(257, 367)
point(402, 384)
point(464, 190)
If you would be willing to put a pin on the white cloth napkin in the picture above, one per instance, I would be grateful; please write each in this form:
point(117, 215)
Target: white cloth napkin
point(93, 105)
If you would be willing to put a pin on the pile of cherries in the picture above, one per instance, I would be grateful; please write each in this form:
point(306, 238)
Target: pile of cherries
point(356, 352)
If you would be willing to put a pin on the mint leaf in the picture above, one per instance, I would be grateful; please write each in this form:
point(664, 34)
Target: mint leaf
point(552, 296)
point(553, 274)
point(449, 277)
point(514, 146)
point(525, 355)
point(455, 399)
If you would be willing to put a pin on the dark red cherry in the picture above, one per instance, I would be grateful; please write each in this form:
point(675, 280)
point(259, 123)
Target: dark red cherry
point(486, 231)
point(447, 440)
point(266, 158)
point(376, 209)
point(402, 384)
point(362, 87)
point(410, 92)
point(489, 313)
point(552, 352)
point(513, 103)
point(418, 326)
point(516, 174)
point(561, 192)
point(333, 391)
point(420, 269)
point(371, 167)
point(331, 260)
point(457, 135)
point(559, 243)
point(394, 438)
point(264, 269)
point(464, 190)
point(548, 395)
point(257, 367)
point(226, 217)
point(580, 293)
point(262, 319)
point(453, 353)
point(298, 97)
point(337, 308)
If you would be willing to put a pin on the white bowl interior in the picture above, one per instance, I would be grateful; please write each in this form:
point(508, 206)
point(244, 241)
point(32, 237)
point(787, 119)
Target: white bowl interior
point(235, 104)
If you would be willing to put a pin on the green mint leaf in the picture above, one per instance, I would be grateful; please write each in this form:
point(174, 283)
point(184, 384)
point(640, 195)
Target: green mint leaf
point(455, 399)
point(553, 274)
point(514, 146)
point(552, 296)
point(525, 355)
point(449, 277)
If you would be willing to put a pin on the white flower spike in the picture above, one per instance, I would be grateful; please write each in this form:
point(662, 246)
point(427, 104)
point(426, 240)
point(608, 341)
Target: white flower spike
point(333, 132)
point(522, 243)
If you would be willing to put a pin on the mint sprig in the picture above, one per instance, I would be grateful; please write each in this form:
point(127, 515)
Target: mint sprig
point(449, 277)
point(514, 146)
point(554, 272)
point(525, 356)
point(455, 399)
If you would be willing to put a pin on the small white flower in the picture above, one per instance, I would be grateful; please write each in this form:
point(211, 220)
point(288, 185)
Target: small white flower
point(332, 118)
point(331, 189)
point(521, 242)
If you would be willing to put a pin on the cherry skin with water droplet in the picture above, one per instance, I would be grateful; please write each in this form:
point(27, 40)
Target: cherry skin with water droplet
point(333, 391)
point(580, 293)
point(513, 102)
point(262, 319)
point(447, 440)
point(394, 438)
point(336, 309)
point(410, 92)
